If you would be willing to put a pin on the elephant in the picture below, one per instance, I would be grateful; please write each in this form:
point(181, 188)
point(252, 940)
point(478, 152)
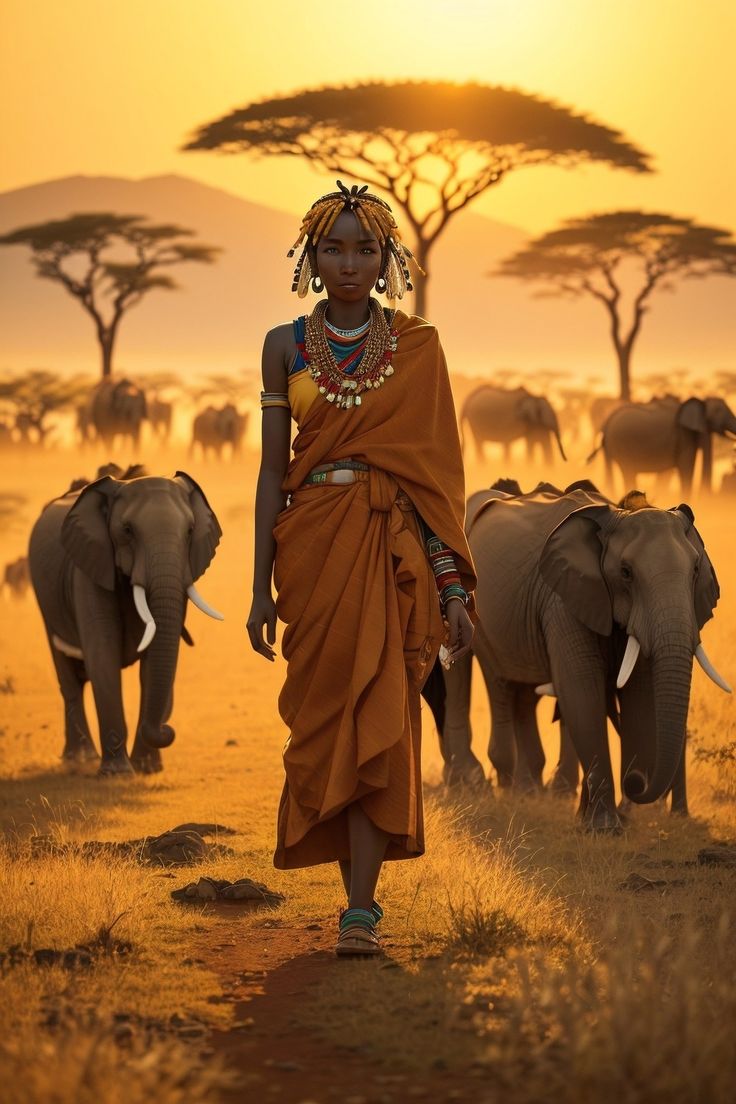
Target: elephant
point(159, 415)
point(106, 563)
point(213, 428)
point(116, 408)
point(601, 607)
point(503, 416)
point(664, 434)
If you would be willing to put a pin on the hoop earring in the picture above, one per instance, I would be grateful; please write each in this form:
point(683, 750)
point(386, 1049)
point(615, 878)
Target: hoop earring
point(317, 285)
point(381, 285)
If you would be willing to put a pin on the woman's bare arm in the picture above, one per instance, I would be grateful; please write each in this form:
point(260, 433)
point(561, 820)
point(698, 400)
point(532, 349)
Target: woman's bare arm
point(270, 499)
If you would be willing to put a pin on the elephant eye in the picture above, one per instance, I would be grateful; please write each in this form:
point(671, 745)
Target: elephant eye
point(626, 572)
point(127, 529)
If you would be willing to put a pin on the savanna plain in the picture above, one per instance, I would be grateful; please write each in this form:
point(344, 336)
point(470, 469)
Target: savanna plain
point(526, 960)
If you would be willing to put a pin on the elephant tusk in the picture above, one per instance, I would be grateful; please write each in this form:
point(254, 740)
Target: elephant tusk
point(200, 603)
point(139, 597)
point(547, 689)
point(630, 657)
point(66, 649)
point(710, 670)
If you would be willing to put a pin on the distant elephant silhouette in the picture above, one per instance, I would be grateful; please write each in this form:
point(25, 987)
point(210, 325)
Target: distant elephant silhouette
point(116, 408)
point(664, 435)
point(159, 415)
point(214, 427)
point(502, 416)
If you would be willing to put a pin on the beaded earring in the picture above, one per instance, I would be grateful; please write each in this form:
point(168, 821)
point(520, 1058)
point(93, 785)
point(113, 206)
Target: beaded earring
point(317, 285)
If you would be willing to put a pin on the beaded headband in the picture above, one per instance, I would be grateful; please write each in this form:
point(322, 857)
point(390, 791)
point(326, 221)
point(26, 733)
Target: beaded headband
point(375, 217)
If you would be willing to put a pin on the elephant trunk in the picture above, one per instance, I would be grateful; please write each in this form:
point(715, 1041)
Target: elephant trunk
point(166, 601)
point(672, 665)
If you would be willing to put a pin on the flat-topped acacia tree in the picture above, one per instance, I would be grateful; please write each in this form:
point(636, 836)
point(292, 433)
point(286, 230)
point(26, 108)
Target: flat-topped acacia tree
point(108, 287)
point(433, 146)
point(585, 256)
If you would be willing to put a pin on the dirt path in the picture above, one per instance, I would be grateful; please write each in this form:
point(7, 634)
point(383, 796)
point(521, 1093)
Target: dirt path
point(270, 1046)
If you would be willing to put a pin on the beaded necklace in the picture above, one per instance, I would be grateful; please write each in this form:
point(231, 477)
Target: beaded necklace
point(369, 362)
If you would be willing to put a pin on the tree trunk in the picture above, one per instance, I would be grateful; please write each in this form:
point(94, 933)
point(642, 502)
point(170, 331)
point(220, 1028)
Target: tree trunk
point(106, 348)
point(420, 282)
point(624, 364)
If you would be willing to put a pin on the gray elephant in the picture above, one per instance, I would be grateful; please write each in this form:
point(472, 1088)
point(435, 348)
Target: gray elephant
point(112, 567)
point(214, 427)
point(601, 607)
point(503, 416)
point(663, 435)
point(116, 408)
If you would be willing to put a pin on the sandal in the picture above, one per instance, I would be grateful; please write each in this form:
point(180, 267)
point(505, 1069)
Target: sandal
point(357, 933)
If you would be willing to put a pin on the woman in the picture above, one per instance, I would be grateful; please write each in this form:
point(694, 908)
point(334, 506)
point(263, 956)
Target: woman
point(375, 510)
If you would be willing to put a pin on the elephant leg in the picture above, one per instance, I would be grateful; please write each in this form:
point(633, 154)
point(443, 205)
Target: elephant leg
point(530, 753)
point(567, 772)
point(100, 633)
point(78, 745)
point(460, 765)
point(145, 758)
point(579, 676)
point(679, 787)
point(502, 743)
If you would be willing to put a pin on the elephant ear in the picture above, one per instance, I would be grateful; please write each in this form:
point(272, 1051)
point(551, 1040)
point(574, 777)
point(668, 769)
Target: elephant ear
point(707, 591)
point(85, 536)
point(207, 531)
point(691, 415)
point(571, 565)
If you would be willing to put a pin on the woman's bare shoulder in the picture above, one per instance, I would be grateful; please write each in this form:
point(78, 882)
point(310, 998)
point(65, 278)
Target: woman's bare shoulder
point(279, 337)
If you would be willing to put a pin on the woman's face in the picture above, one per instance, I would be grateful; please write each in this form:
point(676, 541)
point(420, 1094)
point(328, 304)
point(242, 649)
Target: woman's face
point(349, 259)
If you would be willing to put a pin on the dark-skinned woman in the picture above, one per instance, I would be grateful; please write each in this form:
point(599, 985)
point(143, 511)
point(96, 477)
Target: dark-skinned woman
point(362, 532)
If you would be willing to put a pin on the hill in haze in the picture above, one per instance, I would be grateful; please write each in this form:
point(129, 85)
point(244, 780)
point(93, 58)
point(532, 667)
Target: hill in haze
point(216, 321)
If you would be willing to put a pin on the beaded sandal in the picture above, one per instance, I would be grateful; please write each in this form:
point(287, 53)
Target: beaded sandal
point(358, 933)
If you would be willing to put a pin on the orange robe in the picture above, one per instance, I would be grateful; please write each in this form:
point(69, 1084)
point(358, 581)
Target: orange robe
point(360, 604)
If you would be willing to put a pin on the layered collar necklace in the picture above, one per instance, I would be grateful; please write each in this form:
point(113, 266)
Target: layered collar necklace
point(367, 364)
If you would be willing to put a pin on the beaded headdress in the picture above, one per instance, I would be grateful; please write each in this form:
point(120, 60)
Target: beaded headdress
point(375, 217)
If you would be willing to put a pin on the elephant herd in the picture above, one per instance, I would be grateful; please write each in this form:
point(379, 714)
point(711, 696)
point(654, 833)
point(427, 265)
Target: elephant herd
point(115, 410)
point(598, 604)
point(660, 436)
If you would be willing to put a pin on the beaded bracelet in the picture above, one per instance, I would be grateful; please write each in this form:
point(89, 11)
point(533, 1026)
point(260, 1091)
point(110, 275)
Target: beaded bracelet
point(274, 398)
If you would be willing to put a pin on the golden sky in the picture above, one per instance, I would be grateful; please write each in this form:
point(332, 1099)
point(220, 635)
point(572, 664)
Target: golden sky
point(113, 87)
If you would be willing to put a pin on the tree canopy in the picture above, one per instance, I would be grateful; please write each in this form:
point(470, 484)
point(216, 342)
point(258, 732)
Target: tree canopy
point(109, 286)
point(586, 256)
point(432, 145)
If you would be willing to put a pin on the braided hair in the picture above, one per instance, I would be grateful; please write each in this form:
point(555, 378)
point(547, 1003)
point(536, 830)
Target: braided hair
point(375, 217)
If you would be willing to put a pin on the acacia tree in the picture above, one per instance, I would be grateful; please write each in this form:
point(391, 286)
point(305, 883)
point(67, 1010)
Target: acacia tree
point(586, 255)
point(35, 394)
point(109, 287)
point(434, 146)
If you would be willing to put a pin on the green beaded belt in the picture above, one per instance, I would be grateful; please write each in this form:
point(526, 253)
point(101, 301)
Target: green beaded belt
point(325, 476)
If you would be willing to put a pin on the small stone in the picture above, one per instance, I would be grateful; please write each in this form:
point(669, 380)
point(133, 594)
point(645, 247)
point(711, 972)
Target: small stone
point(231, 743)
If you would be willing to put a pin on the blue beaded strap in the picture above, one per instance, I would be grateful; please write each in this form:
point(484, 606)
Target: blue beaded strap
point(358, 918)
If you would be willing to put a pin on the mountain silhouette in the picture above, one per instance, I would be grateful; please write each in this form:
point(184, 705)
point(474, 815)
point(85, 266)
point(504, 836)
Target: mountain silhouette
point(216, 320)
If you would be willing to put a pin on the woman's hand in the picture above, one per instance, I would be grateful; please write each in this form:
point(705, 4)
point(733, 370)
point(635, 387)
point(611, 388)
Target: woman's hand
point(461, 629)
point(262, 612)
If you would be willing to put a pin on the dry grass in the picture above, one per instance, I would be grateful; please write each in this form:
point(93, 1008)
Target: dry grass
point(514, 950)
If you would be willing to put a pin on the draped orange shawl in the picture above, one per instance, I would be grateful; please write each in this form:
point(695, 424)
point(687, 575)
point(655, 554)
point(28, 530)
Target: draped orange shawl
point(357, 595)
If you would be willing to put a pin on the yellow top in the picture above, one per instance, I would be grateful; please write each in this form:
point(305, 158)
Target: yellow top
point(302, 393)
